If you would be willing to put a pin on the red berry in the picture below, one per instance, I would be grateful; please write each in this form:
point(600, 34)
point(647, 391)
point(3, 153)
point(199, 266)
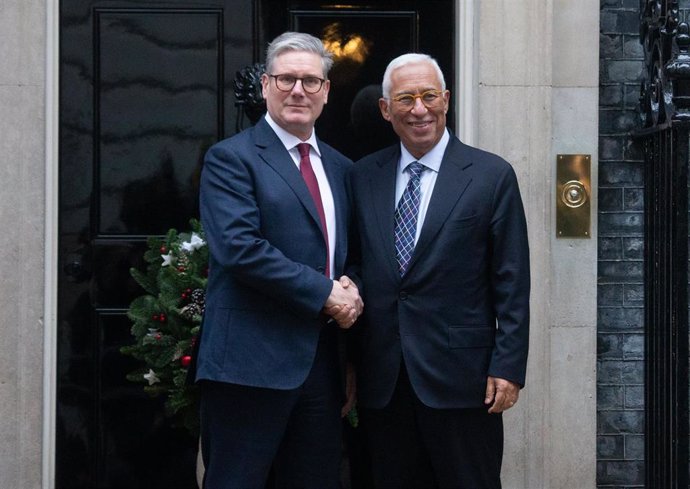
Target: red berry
point(180, 268)
point(158, 336)
point(155, 317)
point(186, 360)
point(162, 318)
point(164, 249)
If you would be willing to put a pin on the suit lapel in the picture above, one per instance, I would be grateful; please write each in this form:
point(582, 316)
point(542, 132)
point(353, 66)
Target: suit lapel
point(451, 183)
point(382, 191)
point(272, 151)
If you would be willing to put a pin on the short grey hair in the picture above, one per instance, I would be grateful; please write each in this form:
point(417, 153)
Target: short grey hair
point(298, 41)
point(406, 59)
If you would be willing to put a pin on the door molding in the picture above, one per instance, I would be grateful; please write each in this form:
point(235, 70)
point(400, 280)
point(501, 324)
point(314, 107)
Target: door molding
point(52, 65)
point(464, 84)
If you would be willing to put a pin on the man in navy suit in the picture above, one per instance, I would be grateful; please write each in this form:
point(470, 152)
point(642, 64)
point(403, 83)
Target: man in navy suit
point(275, 210)
point(443, 269)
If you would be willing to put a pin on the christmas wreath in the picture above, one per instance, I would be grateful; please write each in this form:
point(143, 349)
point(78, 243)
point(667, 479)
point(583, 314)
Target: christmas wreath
point(167, 318)
point(166, 321)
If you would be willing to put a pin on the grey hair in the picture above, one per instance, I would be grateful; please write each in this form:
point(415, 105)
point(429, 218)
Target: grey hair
point(298, 41)
point(406, 59)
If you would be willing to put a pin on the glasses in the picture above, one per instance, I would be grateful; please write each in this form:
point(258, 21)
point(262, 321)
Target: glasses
point(430, 98)
point(310, 84)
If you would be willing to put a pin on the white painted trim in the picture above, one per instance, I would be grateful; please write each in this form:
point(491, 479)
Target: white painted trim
point(465, 80)
point(52, 59)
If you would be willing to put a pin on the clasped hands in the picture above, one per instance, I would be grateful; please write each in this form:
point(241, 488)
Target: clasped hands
point(344, 304)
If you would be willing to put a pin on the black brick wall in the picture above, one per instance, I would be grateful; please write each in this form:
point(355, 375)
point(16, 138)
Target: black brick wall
point(620, 378)
point(620, 343)
point(620, 311)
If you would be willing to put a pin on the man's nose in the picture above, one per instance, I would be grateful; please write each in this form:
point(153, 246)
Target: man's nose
point(298, 88)
point(419, 106)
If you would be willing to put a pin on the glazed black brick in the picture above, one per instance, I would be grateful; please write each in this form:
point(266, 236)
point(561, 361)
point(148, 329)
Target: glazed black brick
point(633, 248)
point(610, 446)
point(609, 346)
point(633, 199)
point(617, 121)
point(632, 346)
point(631, 92)
point(634, 150)
point(610, 199)
point(610, 295)
point(610, 95)
point(632, 372)
point(610, 248)
point(621, 174)
point(610, 371)
point(610, 46)
point(621, 223)
point(620, 421)
point(608, 21)
point(611, 148)
point(633, 294)
point(612, 319)
point(634, 397)
point(632, 48)
point(634, 447)
point(620, 472)
point(620, 272)
point(630, 4)
point(610, 397)
point(621, 71)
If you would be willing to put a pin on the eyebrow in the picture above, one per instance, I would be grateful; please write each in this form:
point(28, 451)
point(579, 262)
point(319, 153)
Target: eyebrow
point(422, 90)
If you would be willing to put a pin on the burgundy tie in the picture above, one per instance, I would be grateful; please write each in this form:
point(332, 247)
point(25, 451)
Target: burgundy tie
point(313, 186)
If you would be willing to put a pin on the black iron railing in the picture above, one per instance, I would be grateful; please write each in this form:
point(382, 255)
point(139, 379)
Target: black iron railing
point(665, 111)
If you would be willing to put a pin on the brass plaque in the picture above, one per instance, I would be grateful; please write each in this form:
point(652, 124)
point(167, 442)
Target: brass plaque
point(573, 196)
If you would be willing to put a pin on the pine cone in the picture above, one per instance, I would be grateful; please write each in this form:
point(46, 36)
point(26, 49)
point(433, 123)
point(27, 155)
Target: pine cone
point(199, 297)
point(191, 310)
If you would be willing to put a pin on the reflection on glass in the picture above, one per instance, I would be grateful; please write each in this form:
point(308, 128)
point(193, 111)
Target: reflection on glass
point(352, 47)
point(362, 43)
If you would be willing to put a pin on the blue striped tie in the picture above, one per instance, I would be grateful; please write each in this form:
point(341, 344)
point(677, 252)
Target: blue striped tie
point(406, 217)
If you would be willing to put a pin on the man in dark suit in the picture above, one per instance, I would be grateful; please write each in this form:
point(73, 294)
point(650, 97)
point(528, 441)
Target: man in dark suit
point(275, 211)
point(444, 273)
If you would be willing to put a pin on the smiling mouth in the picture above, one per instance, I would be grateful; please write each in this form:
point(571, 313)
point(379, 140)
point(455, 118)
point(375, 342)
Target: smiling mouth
point(420, 123)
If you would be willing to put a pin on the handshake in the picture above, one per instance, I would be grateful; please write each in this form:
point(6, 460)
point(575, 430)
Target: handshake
point(344, 303)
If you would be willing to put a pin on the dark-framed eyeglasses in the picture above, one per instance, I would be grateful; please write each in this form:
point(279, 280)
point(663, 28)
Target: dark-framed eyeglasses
point(430, 98)
point(310, 84)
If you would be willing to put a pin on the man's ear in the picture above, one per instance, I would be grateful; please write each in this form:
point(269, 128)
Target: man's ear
point(264, 84)
point(383, 107)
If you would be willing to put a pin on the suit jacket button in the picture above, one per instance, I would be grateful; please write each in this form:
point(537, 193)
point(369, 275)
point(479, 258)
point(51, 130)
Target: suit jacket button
point(321, 269)
point(402, 296)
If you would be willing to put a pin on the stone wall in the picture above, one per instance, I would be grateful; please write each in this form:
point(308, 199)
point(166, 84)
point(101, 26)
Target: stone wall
point(22, 170)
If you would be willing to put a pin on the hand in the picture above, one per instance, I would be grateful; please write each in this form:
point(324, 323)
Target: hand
point(350, 390)
point(501, 394)
point(344, 304)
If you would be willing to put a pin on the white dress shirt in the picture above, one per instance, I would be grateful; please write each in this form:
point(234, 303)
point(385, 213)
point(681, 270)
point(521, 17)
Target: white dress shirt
point(432, 162)
point(290, 141)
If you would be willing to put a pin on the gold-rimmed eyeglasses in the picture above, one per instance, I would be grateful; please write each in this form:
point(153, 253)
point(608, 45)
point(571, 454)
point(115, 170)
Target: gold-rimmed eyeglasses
point(310, 84)
point(430, 98)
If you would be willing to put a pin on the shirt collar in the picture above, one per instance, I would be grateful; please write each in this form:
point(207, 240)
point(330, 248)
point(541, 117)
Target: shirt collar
point(290, 140)
point(431, 160)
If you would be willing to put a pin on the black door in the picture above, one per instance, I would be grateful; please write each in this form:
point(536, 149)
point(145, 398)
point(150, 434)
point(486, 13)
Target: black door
point(145, 88)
